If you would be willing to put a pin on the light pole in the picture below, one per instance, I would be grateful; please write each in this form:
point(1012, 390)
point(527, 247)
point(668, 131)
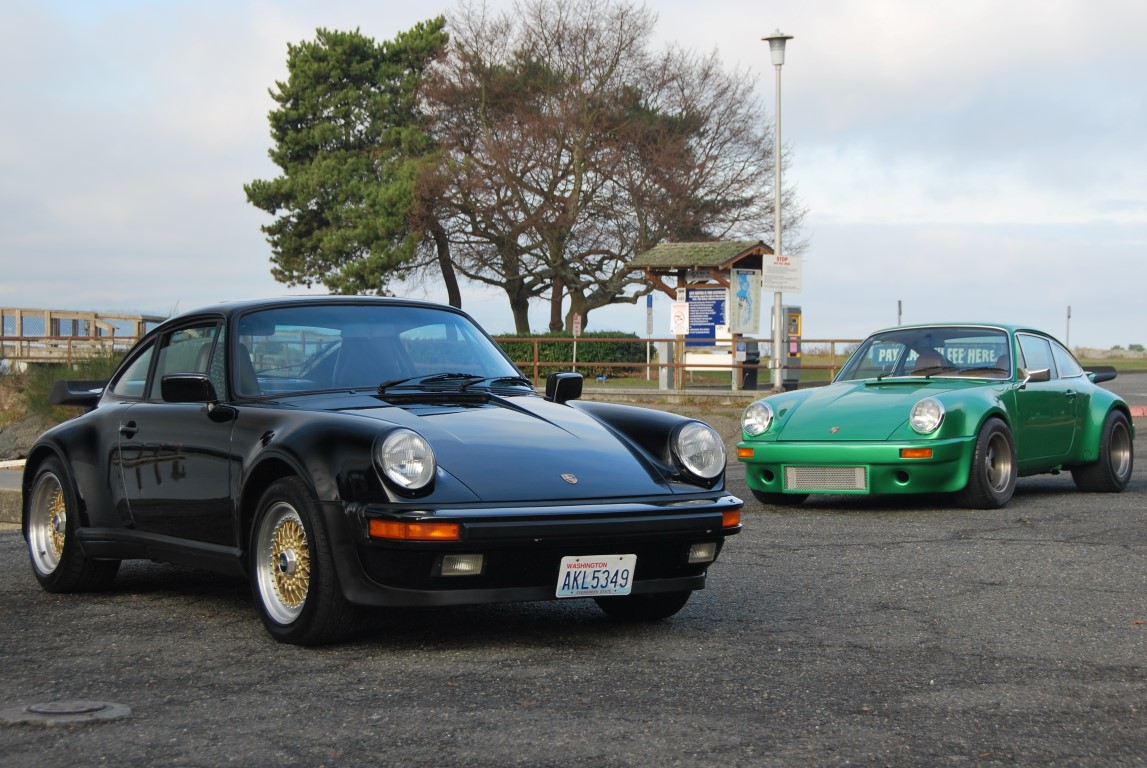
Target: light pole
point(777, 42)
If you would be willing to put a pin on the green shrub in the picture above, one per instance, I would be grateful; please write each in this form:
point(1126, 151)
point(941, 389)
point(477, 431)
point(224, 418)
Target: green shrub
point(555, 353)
point(39, 377)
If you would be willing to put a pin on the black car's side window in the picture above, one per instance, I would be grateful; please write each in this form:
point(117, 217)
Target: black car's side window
point(132, 382)
point(217, 369)
point(187, 350)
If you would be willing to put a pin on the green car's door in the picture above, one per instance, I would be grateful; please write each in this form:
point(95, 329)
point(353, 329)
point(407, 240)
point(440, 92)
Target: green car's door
point(1046, 411)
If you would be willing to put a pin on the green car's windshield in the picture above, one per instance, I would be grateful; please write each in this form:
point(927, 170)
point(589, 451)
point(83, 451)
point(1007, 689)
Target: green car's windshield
point(964, 351)
point(305, 348)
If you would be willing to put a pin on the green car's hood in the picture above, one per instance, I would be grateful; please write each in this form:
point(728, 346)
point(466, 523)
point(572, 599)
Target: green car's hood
point(859, 410)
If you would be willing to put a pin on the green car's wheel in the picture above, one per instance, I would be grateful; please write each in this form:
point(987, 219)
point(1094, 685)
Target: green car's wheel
point(58, 560)
point(644, 607)
point(780, 499)
point(992, 479)
point(292, 570)
point(1112, 472)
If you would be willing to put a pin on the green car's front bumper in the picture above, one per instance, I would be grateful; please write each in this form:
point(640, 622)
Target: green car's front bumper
point(856, 467)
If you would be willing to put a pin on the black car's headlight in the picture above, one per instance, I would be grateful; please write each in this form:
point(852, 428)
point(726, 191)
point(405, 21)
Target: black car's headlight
point(927, 415)
point(406, 459)
point(757, 418)
point(699, 450)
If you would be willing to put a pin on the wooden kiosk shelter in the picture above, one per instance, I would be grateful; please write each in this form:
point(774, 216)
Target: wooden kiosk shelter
point(698, 265)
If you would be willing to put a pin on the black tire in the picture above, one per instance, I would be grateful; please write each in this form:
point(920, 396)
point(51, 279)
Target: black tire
point(50, 524)
point(1112, 471)
point(992, 478)
point(292, 570)
point(780, 499)
point(653, 607)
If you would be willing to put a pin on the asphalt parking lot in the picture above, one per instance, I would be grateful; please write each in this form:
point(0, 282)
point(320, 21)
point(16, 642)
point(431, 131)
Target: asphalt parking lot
point(851, 633)
point(845, 632)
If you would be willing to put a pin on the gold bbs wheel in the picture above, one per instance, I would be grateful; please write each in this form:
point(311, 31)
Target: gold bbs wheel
point(47, 524)
point(292, 569)
point(283, 563)
point(52, 526)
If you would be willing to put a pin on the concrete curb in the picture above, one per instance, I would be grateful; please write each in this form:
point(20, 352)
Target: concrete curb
point(10, 502)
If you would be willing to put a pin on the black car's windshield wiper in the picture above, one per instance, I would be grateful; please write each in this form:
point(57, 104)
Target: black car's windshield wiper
point(418, 380)
point(496, 379)
point(467, 380)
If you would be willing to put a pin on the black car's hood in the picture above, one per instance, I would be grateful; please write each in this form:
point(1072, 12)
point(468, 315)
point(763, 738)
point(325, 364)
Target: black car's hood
point(525, 448)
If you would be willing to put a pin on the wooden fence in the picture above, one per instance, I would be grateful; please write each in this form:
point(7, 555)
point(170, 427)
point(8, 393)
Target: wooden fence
point(63, 336)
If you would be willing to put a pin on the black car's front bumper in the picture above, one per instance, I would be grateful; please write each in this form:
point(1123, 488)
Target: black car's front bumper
point(523, 548)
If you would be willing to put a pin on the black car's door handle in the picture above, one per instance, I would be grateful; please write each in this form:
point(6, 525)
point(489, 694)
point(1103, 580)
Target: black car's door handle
point(128, 429)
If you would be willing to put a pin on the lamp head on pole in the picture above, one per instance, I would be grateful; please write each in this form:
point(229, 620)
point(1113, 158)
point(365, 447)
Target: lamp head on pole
point(777, 46)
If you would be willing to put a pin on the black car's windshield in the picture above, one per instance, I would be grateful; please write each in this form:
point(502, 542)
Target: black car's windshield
point(964, 351)
point(307, 348)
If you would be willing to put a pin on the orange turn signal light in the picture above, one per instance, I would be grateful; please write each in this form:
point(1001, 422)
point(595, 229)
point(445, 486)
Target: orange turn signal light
point(915, 453)
point(730, 518)
point(744, 453)
point(422, 531)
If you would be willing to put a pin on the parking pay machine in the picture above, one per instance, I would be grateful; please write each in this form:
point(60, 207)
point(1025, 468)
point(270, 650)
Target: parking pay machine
point(791, 355)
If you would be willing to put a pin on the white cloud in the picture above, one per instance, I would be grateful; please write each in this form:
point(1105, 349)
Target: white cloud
point(969, 158)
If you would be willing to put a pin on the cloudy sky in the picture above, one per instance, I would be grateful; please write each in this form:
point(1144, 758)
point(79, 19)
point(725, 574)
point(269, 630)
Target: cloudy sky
point(967, 159)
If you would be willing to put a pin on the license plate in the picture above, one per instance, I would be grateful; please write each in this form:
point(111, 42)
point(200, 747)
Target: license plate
point(596, 575)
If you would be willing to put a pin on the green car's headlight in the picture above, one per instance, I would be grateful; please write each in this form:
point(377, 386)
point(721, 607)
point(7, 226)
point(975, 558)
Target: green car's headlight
point(699, 450)
point(927, 415)
point(757, 418)
point(406, 459)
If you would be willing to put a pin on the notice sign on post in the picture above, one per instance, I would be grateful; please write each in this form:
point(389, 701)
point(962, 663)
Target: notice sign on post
point(679, 318)
point(782, 273)
point(706, 312)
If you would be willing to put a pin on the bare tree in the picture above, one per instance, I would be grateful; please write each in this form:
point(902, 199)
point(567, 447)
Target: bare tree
point(572, 148)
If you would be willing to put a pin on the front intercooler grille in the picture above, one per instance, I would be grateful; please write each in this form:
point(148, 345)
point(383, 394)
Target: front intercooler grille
point(826, 478)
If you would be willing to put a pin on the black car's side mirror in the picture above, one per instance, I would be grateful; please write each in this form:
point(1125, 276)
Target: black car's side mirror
point(187, 388)
point(562, 387)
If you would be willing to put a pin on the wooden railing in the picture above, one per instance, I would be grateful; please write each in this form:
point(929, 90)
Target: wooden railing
point(61, 349)
point(63, 336)
point(825, 355)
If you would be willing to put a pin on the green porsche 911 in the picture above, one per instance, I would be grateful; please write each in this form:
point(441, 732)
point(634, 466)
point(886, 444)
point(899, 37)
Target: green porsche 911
point(944, 408)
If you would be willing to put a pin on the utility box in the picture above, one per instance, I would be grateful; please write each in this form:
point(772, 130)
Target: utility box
point(791, 355)
point(664, 352)
point(751, 361)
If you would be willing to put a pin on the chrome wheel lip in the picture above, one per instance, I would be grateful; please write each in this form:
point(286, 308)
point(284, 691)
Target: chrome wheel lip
point(282, 563)
point(47, 524)
point(998, 463)
point(1119, 451)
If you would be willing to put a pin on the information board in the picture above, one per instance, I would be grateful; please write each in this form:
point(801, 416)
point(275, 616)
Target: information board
point(706, 312)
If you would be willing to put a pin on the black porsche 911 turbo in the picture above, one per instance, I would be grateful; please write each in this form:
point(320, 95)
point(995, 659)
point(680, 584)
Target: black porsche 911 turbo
point(347, 452)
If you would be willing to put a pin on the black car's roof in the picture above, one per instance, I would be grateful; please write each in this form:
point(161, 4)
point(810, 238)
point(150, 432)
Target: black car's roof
point(232, 308)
